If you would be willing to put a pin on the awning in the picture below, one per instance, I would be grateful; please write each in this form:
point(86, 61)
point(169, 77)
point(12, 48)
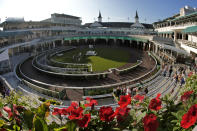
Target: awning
point(108, 37)
point(14, 33)
point(180, 51)
point(186, 16)
point(173, 48)
point(4, 56)
point(166, 32)
point(190, 29)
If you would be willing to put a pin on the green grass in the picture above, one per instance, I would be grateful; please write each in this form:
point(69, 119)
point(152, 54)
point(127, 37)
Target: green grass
point(106, 58)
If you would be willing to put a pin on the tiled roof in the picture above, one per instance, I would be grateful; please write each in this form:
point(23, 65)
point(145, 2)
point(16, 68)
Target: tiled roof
point(14, 33)
point(181, 17)
point(120, 25)
point(65, 15)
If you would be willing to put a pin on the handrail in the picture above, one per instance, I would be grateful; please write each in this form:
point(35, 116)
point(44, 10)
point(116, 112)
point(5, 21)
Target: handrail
point(6, 83)
point(51, 67)
point(77, 74)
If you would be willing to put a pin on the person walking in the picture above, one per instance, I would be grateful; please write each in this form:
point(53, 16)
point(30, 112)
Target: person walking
point(170, 71)
point(118, 92)
point(128, 92)
point(176, 78)
point(165, 70)
point(182, 81)
point(146, 91)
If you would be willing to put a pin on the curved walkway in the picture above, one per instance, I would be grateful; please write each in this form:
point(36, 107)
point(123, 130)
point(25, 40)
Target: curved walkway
point(145, 67)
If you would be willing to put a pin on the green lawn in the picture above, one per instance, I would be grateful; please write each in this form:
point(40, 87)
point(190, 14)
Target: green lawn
point(106, 58)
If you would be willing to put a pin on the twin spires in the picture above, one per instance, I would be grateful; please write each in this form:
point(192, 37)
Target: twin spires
point(136, 17)
point(99, 17)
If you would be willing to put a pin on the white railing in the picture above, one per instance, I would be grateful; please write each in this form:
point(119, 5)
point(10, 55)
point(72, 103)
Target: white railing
point(92, 87)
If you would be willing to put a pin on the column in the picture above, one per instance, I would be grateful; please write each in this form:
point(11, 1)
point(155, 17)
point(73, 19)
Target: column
point(144, 46)
point(78, 41)
point(122, 41)
point(175, 35)
point(171, 54)
point(149, 46)
point(18, 51)
point(70, 42)
point(183, 36)
point(53, 44)
point(130, 42)
point(138, 44)
point(114, 40)
point(170, 35)
point(107, 41)
point(156, 49)
point(62, 42)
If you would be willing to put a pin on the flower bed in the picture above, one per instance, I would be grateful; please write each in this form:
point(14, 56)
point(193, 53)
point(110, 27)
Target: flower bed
point(137, 114)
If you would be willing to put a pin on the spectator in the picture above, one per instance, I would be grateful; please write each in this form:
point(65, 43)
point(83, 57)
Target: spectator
point(128, 91)
point(118, 92)
point(146, 91)
point(176, 79)
point(182, 81)
point(165, 70)
point(134, 92)
point(170, 71)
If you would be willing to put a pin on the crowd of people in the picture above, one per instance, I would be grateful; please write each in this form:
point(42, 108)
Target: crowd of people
point(177, 72)
point(132, 91)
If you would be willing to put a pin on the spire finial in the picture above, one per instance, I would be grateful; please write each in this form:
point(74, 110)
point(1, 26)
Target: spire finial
point(136, 16)
point(99, 17)
point(99, 14)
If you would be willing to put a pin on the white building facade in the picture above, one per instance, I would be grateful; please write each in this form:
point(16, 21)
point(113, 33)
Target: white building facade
point(120, 28)
point(182, 28)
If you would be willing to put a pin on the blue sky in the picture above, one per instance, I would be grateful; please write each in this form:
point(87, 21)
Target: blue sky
point(116, 10)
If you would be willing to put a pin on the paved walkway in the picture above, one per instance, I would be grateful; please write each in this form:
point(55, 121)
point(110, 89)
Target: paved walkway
point(18, 86)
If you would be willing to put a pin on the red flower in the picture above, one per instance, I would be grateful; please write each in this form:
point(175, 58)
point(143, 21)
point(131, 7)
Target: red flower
point(73, 105)
point(155, 104)
point(76, 113)
point(85, 120)
point(124, 100)
point(150, 122)
point(186, 95)
point(64, 111)
point(189, 118)
point(106, 114)
point(57, 111)
point(9, 111)
point(139, 97)
point(121, 113)
point(91, 103)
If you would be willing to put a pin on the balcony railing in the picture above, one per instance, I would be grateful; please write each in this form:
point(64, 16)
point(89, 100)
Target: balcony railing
point(188, 43)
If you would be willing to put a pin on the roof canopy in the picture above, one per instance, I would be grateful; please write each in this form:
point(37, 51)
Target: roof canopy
point(4, 55)
point(191, 29)
point(120, 25)
point(14, 33)
point(166, 32)
point(180, 51)
point(186, 16)
point(107, 37)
